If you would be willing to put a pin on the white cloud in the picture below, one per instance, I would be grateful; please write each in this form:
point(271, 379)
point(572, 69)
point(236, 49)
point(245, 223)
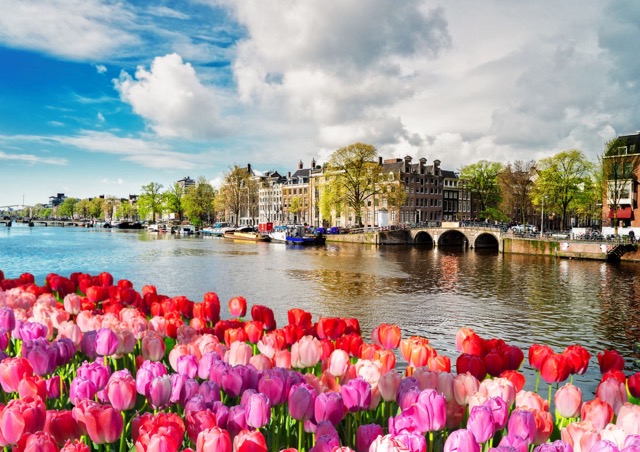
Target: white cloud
point(163, 11)
point(76, 29)
point(100, 117)
point(171, 98)
point(32, 159)
point(101, 68)
point(106, 181)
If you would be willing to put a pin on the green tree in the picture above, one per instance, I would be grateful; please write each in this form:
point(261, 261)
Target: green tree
point(483, 184)
point(618, 163)
point(296, 205)
point(516, 185)
point(175, 200)
point(561, 178)
point(84, 208)
point(151, 201)
point(199, 202)
point(233, 193)
point(126, 210)
point(353, 175)
point(96, 210)
point(68, 207)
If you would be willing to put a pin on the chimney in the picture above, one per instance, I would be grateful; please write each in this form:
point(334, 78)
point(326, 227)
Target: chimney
point(300, 164)
point(288, 174)
point(380, 161)
point(249, 168)
point(423, 161)
point(313, 163)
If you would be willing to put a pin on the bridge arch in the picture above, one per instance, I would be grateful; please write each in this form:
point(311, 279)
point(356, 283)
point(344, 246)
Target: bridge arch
point(423, 238)
point(486, 240)
point(453, 237)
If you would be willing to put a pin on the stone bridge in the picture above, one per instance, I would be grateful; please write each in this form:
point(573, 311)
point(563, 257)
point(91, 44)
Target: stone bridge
point(467, 237)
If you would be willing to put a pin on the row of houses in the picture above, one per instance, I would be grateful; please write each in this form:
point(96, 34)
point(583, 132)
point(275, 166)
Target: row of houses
point(433, 195)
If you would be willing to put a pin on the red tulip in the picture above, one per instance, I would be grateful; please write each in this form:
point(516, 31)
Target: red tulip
point(579, 357)
point(12, 371)
point(61, 426)
point(610, 360)
point(330, 327)
point(467, 341)
point(232, 335)
point(300, 317)
point(538, 354)
point(472, 364)
point(102, 423)
point(514, 377)
point(254, 330)
point(265, 315)
point(350, 343)
point(495, 363)
point(353, 326)
point(20, 416)
point(633, 384)
point(439, 363)
point(238, 306)
point(37, 442)
point(555, 368)
point(249, 441)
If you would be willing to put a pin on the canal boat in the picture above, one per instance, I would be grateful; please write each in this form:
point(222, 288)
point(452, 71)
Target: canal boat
point(295, 235)
point(218, 229)
point(246, 234)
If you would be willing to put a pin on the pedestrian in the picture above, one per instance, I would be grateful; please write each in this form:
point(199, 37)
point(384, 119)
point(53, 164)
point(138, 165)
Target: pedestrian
point(632, 236)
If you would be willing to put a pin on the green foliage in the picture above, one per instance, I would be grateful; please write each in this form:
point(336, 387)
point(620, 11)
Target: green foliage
point(151, 201)
point(68, 207)
point(199, 202)
point(483, 183)
point(175, 200)
point(236, 193)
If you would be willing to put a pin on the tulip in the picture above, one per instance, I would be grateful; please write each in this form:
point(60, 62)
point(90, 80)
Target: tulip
point(461, 440)
point(356, 394)
point(555, 368)
point(239, 354)
point(499, 387)
point(238, 306)
point(152, 346)
point(598, 412)
point(366, 435)
point(158, 391)
point(301, 402)
point(389, 443)
point(330, 328)
point(264, 315)
point(463, 386)
point(7, 320)
point(580, 435)
point(61, 425)
point(388, 385)
point(41, 355)
point(257, 410)
point(12, 371)
point(531, 400)
point(187, 365)
point(579, 357)
point(236, 420)
point(95, 371)
point(568, 401)
point(387, 336)
point(633, 385)
point(467, 341)
point(556, 446)
point(610, 360)
point(629, 419)
point(481, 424)
point(613, 392)
point(147, 372)
point(329, 406)
point(21, 416)
point(121, 390)
point(472, 364)
point(413, 441)
point(544, 426)
point(37, 442)
point(538, 354)
point(214, 438)
point(299, 318)
point(338, 363)
point(82, 388)
point(306, 352)
point(523, 424)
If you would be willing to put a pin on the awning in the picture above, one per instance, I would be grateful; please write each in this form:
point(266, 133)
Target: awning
point(623, 214)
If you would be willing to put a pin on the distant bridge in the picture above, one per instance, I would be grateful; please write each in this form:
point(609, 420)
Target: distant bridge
point(447, 235)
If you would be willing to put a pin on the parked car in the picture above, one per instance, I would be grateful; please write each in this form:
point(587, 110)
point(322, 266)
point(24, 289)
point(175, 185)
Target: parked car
point(522, 228)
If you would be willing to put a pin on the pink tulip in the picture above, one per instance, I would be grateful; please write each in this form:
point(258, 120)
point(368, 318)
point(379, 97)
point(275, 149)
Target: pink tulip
point(613, 392)
point(158, 391)
point(568, 400)
point(461, 440)
point(61, 426)
point(499, 387)
point(306, 352)
point(20, 416)
point(213, 438)
point(239, 354)
point(356, 394)
point(187, 365)
point(531, 400)
point(12, 371)
point(75, 446)
point(629, 419)
point(580, 435)
point(366, 435)
point(301, 402)
point(329, 406)
point(480, 423)
point(388, 385)
point(596, 411)
point(106, 342)
point(338, 363)
point(522, 423)
point(463, 386)
point(72, 304)
point(257, 410)
point(121, 390)
point(615, 434)
point(427, 379)
point(37, 442)
point(82, 388)
point(389, 443)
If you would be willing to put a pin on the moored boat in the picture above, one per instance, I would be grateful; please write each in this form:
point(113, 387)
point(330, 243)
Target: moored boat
point(246, 234)
point(218, 229)
point(296, 235)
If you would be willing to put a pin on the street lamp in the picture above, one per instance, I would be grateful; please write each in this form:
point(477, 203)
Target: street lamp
point(542, 218)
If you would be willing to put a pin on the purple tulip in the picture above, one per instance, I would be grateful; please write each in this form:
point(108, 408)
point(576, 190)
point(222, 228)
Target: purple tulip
point(244, 399)
point(195, 403)
point(222, 414)
point(29, 330)
point(325, 443)
point(147, 372)
point(217, 370)
point(231, 382)
point(413, 441)
point(481, 423)
point(556, 446)
point(257, 410)
point(356, 394)
point(7, 320)
point(365, 435)
point(461, 441)
point(81, 388)
point(403, 422)
point(159, 391)
point(4, 340)
point(182, 388)
point(522, 423)
point(106, 342)
point(237, 420)
point(503, 449)
point(301, 402)
point(88, 344)
point(329, 406)
point(65, 350)
point(272, 384)
point(95, 371)
point(500, 411)
point(54, 387)
point(187, 365)
point(210, 391)
point(40, 354)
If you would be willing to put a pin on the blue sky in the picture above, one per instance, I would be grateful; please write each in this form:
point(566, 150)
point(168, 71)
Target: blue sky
point(99, 97)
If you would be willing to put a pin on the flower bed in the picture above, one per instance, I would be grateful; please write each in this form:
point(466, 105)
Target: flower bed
point(89, 363)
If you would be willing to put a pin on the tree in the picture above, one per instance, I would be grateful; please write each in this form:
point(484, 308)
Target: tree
point(68, 207)
point(482, 182)
point(174, 199)
point(516, 181)
point(353, 175)
point(97, 208)
point(296, 205)
point(84, 207)
point(233, 193)
point(151, 200)
point(126, 210)
point(560, 180)
point(199, 202)
point(618, 174)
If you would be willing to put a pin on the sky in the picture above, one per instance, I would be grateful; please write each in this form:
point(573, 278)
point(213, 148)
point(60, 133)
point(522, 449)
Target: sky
point(101, 97)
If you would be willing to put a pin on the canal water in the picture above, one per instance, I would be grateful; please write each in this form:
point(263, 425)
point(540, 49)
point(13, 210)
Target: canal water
point(428, 292)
